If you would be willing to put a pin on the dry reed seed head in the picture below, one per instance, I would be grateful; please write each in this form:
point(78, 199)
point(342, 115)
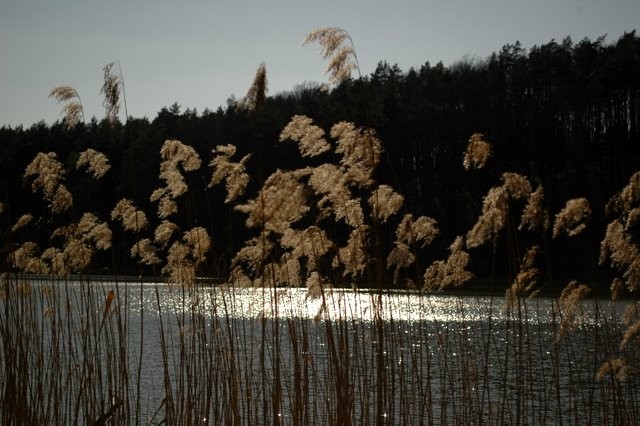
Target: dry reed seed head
point(176, 185)
point(341, 66)
point(616, 368)
point(63, 93)
point(571, 219)
point(89, 228)
point(132, 219)
point(163, 233)
point(73, 114)
point(311, 243)
point(633, 218)
point(529, 258)
point(56, 261)
point(47, 171)
point(257, 93)
point(477, 153)
point(146, 252)
point(179, 268)
point(424, 230)
point(360, 149)
point(631, 335)
point(628, 198)
point(400, 257)
point(351, 212)
point(342, 56)
point(280, 203)
point(72, 110)
point(167, 207)
point(523, 286)
point(25, 259)
point(77, 254)
point(618, 246)
point(616, 289)
point(22, 221)
point(310, 138)
point(314, 286)
point(328, 179)
point(517, 186)
point(234, 173)
point(353, 257)
point(569, 304)
point(175, 152)
point(495, 208)
point(452, 272)
point(288, 270)
point(111, 91)
point(62, 200)
point(535, 215)
point(96, 162)
point(198, 240)
point(254, 254)
point(631, 313)
point(385, 202)
point(238, 278)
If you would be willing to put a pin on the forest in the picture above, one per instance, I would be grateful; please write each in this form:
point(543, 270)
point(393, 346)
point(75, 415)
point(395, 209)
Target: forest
point(565, 114)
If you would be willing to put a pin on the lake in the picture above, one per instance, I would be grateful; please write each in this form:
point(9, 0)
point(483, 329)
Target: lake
point(219, 355)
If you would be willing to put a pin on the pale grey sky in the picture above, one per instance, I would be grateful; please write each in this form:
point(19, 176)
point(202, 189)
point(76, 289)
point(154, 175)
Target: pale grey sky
point(198, 52)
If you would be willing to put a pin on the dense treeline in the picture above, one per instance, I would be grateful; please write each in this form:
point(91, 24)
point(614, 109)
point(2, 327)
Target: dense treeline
point(566, 115)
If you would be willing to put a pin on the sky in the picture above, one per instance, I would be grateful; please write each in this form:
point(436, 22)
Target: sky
point(198, 53)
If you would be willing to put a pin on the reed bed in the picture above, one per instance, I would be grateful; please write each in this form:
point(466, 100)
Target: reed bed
point(305, 329)
point(264, 356)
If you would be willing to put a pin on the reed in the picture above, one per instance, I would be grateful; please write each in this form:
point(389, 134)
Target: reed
point(306, 329)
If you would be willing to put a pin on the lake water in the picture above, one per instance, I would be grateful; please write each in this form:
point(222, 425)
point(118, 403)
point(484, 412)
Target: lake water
point(264, 356)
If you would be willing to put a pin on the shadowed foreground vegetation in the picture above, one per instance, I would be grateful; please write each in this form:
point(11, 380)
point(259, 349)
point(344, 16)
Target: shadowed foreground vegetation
point(546, 199)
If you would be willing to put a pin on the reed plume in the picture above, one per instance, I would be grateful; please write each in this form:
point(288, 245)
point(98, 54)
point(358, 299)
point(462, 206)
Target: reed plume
point(569, 304)
point(185, 257)
point(257, 94)
point(234, 174)
point(495, 208)
point(281, 202)
point(26, 259)
point(96, 162)
point(146, 251)
point(409, 233)
point(477, 153)
point(175, 155)
point(311, 243)
point(72, 109)
point(360, 149)
point(49, 173)
point(421, 230)
point(132, 219)
point(534, 215)
point(310, 138)
point(111, 91)
point(526, 281)
point(571, 219)
point(617, 368)
point(353, 256)
point(22, 221)
point(163, 232)
point(385, 202)
point(619, 244)
point(337, 47)
point(452, 272)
